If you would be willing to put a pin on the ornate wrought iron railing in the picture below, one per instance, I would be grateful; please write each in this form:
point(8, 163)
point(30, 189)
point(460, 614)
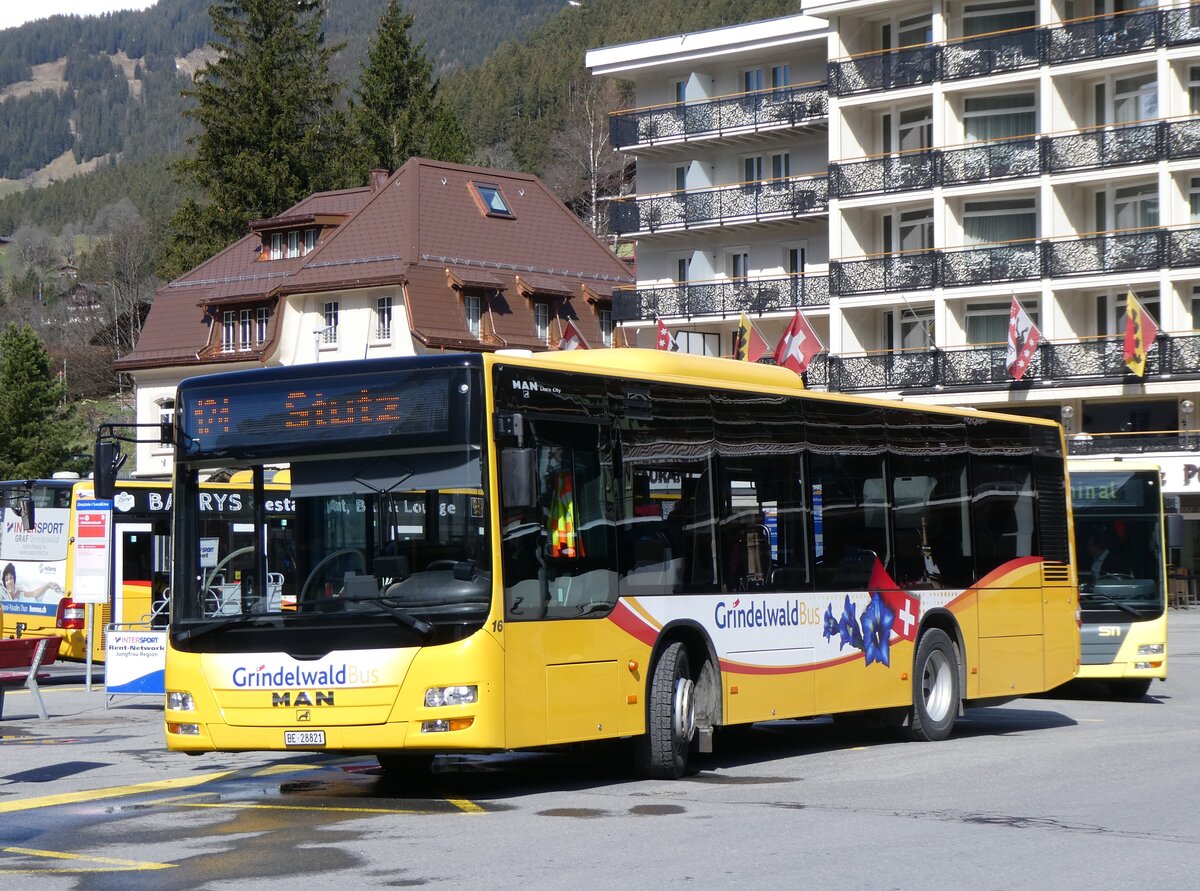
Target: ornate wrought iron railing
point(777, 198)
point(1091, 361)
point(1109, 252)
point(777, 106)
point(1093, 38)
point(721, 298)
point(1020, 157)
point(1137, 443)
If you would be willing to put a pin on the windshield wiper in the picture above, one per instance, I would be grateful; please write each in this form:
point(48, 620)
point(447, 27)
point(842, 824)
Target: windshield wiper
point(1111, 601)
point(207, 628)
point(420, 626)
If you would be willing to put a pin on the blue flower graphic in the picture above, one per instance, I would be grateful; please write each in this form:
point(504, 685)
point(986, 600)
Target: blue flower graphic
point(849, 627)
point(831, 624)
point(877, 621)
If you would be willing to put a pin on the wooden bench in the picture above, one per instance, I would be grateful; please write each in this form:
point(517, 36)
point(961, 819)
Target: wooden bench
point(28, 655)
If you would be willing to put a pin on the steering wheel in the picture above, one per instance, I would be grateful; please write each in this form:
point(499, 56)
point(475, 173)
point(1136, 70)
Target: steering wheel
point(1120, 576)
point(212, 574)
point(340, 552)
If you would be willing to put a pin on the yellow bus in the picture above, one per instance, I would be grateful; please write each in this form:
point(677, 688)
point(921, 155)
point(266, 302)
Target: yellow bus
point(510, 551)
point(38, 562)
point(1119, 537)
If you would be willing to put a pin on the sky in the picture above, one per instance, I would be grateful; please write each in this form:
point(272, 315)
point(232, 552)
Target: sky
point(17, 12)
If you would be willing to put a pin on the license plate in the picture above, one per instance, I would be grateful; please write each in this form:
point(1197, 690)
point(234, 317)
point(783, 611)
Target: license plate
point(304, 737)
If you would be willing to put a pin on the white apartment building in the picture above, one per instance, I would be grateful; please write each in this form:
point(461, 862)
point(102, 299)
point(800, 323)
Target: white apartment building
point(900, 171)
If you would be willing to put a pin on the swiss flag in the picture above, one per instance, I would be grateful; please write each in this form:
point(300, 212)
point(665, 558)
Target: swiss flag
point(1023, 340)
point(798, 345)
point(905, 605)
point(571, 338)
point(665, 340)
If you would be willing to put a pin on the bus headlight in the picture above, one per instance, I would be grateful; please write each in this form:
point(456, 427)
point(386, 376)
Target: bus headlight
point(460, 694)
point(1150, 650)
point(180, 702)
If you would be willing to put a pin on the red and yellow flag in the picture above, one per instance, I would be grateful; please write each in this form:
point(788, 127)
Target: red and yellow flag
point(749, 345)
point(1140, 333)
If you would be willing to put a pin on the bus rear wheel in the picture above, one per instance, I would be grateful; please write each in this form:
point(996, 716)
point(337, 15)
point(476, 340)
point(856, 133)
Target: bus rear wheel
point(935, 688)
point(662, 753)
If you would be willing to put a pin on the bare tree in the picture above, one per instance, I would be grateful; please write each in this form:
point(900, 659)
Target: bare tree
point(585, 167)
point(121, 268)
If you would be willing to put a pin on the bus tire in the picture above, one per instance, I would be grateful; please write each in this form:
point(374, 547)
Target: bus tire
point(1133, 689)
point(662, 753)
point(935, 688)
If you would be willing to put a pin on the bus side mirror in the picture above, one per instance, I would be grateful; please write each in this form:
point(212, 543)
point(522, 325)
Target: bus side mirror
point(518, 475)
point(25, 512)
point(107, 460)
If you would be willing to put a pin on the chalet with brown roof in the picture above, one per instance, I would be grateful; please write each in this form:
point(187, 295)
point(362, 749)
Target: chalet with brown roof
point(436, 257)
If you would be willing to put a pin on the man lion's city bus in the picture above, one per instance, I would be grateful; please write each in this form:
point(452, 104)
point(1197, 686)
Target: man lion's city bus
point(509, 551)
point(1118, 511)
point(38, 563)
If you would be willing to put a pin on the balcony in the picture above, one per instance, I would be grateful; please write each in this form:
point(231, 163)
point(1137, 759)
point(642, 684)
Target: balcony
point(777, 107)
point(720, 298)
point(1134, 443)
point(1097, 361)
point(775, 199)
point(1106, 253)
point(1075, 41)
point(1023, 156)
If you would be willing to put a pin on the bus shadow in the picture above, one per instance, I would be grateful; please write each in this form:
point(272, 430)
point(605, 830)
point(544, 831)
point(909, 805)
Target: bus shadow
point(1101, 691)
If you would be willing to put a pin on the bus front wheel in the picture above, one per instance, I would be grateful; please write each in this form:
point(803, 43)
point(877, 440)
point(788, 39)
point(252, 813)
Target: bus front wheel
point(935, 687)
point(1135, 689)
point(662, 752)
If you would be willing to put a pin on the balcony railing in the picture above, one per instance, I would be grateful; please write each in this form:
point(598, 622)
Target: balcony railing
point(1134, 443)
point(1094, 38)
point(1024, 156)
point(777, 106)
point(1090, 361)
point(721, 298)
point(1031, 260)
point(743, 202)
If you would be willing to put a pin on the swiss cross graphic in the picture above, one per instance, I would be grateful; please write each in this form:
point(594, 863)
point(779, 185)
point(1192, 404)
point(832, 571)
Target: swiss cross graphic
point(905, 605)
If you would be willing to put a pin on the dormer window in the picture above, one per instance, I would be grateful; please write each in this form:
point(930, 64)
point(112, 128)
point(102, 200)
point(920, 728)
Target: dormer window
point(310, 239)
point(293, 244)
point(276, 245)
point(492, 200)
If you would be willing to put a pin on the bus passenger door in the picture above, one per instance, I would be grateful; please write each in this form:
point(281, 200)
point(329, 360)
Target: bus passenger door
point(133, 577)
point(565, 669)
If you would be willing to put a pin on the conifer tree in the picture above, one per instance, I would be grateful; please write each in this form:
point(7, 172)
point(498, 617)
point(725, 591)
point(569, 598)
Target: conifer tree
point(34, 443)
point(396, 112)
point(269, 130)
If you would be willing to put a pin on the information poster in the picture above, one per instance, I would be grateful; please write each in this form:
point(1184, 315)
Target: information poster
point(93, 550)
point(135, 662)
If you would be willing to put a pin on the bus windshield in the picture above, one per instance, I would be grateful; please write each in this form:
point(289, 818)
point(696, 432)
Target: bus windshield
point(1118, 540)
point(387, 529)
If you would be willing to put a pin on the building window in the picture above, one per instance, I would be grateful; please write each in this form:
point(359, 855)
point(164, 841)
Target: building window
point(752, 80)
point(698, 343)
point(166, 417)
point(276, 245)
point(493, 201)
point(1193, 87)
point(1194, 199)
point(680, 91)
point(681, 178)
point(912, 230)
point(383, 318)
point(752, 169)
point(474, 309)
point(606, 326)
point(244, 329)
point(993, 222)
point(683, 267)
point(781, 76)
point(330, 314)
point(781, 165)
point(1005, 15)
point(541, 321)
point(1195, 308)
point(794, 256)
point(911, 329)
point(737, 263)
point(987, 323)
point(1126, 100)
point(310, 239)
point(986, 118)
point(228, 331)
point(908, 130)
point(260, 325)
point(910, 31)
point(1110, 311)
point(293, 245)
point(1131, 207)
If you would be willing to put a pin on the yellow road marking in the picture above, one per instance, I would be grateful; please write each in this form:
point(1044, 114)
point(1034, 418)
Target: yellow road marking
point(249, 806)
point(28, 804)
point(469, 807)
point(274, 769)
point(112, 863)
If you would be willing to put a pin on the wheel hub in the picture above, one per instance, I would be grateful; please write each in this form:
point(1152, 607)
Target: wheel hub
point(684, 712)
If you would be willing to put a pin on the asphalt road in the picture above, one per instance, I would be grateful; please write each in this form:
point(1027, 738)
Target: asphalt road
point(1064, 791)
